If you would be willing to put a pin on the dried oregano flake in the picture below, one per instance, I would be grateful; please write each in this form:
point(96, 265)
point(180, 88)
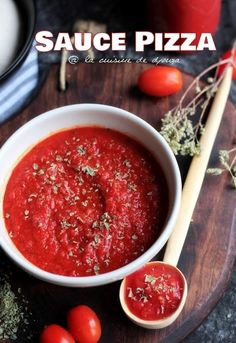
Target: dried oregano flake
point(12, 314)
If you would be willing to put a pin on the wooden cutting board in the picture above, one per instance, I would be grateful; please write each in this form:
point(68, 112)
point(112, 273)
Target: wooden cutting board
point(208, 253)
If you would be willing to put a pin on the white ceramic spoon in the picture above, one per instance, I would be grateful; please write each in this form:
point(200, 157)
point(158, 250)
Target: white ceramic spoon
point(191, 190)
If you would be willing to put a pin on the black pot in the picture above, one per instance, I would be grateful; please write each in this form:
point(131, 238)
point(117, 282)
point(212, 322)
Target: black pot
point(27, 12)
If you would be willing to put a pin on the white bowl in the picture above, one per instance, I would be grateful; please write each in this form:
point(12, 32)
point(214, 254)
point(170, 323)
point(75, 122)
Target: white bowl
point(85, 115)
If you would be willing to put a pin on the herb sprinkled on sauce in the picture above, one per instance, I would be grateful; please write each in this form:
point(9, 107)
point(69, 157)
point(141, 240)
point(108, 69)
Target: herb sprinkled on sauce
point(88, 170)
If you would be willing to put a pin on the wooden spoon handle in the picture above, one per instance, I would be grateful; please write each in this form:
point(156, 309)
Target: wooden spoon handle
point(197, 171)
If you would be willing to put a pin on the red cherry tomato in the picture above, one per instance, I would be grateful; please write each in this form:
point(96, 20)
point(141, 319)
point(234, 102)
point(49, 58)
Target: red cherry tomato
point(84, 324)
point(160, 81)
point(56, 334)
point(222, 67)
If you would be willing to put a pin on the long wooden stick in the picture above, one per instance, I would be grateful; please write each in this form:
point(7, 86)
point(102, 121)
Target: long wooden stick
point(197, 171)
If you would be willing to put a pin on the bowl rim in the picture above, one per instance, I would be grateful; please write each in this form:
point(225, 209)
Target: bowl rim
point(117, 274)
point(23, 52)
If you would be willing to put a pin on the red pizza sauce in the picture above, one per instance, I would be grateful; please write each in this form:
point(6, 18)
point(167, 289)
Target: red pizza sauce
point(154, 292)
point(85, 201)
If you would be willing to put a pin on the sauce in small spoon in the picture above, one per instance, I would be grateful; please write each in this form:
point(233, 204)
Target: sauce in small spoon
point(154, 292)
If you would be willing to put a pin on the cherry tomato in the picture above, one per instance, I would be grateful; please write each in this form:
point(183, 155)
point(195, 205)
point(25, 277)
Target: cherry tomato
point(222, 67)
point(56, 334)
point(160, 81)
point(84, 324)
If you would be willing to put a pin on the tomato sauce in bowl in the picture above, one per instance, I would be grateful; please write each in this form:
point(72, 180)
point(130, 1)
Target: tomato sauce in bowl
point(85, 201)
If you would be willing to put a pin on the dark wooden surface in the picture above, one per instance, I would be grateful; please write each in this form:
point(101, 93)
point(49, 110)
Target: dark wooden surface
point(209, 250)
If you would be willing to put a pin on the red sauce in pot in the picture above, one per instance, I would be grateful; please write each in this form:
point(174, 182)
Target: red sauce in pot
point(154, 292)
point(85, 201)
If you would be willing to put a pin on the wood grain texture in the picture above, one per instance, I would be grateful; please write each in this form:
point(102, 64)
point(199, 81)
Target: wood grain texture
point(209, 250)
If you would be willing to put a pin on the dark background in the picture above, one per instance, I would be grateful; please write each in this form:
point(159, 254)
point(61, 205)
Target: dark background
point(129, 16)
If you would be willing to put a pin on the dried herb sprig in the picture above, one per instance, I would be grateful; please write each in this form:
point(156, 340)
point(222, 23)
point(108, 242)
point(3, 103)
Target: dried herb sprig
point(177, 125)
point(227, 159)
